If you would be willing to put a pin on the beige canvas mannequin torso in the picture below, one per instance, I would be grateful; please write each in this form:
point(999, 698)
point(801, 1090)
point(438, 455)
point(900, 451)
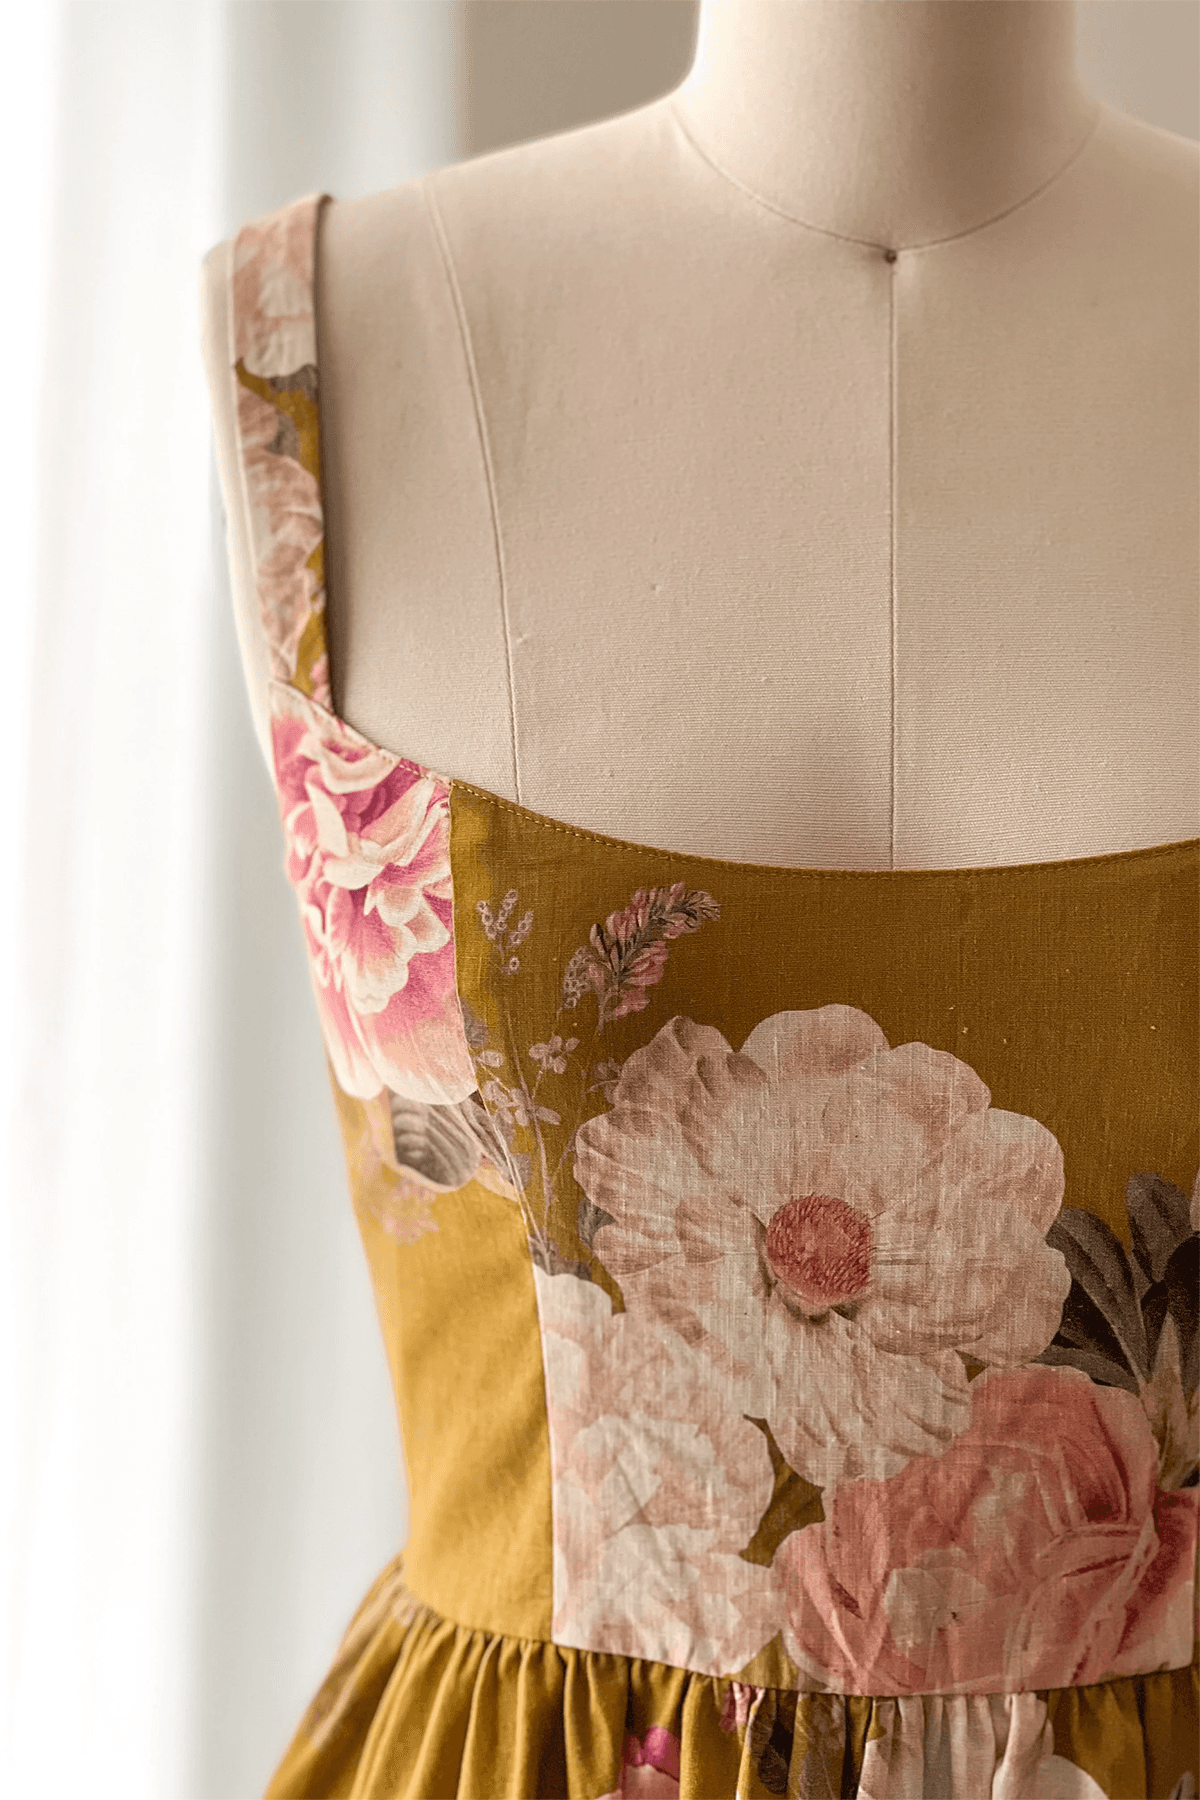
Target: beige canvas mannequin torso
point(661, 499)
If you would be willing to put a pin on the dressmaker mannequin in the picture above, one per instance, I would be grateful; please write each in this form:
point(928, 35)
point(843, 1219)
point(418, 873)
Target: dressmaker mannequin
point(800, 469)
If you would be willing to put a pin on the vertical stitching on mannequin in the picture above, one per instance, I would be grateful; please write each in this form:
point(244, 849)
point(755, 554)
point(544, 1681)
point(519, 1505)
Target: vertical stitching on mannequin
point(464, 331)
point(892, 361)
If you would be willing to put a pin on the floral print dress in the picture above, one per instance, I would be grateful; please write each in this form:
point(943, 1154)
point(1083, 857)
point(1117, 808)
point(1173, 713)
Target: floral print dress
point(788, 1276)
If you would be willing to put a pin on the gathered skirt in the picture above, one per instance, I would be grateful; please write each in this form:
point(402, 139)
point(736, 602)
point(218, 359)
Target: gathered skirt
point(416, 1707)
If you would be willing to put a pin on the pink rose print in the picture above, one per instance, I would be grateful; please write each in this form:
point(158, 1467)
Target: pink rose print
point(1037, 1551)
point(650, 1769)
point(368, 839)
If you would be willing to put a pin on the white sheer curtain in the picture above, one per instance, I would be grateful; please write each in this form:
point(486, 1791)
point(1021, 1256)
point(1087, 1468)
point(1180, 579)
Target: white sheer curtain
point(204, 1474)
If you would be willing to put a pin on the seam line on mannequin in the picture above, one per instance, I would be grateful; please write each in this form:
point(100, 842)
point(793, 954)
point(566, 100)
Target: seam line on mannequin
point(846, 237)
point(893, 362)
point(485, 450)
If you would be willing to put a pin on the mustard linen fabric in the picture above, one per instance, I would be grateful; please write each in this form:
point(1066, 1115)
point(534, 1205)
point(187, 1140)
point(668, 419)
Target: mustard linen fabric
point(415, 1706)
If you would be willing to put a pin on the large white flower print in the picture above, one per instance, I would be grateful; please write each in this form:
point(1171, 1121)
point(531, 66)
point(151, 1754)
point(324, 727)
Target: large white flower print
point(842, 1226)
point(658, 1487)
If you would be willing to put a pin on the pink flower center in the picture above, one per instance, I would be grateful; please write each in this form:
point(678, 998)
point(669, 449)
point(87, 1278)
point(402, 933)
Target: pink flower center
point(821, 1249)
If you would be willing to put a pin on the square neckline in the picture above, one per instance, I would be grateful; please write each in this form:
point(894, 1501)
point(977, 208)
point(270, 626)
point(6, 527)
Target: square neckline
point(1181, 848)
point(1175, 847)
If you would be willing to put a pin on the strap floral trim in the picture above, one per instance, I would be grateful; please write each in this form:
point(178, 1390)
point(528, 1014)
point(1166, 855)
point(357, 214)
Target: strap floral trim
point(368, 832)
point(275, 368)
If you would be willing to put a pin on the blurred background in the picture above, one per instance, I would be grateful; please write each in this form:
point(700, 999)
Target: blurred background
point(200, 1473)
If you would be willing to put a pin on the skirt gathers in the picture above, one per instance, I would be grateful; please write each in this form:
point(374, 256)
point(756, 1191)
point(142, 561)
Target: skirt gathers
point(416, 1707)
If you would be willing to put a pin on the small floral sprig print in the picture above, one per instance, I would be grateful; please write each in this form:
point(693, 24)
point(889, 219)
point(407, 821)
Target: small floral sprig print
point(622, 960)
point(553, 1056)
point(626, 956)
point(495, 926)
point(517, 1105)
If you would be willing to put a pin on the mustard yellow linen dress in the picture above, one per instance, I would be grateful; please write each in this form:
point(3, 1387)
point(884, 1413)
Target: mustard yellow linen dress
point(788, 1275)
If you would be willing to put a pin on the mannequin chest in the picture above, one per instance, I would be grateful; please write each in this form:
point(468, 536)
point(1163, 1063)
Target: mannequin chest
point(704, 530)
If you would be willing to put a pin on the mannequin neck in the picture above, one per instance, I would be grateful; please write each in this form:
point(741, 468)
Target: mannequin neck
point(894, 122)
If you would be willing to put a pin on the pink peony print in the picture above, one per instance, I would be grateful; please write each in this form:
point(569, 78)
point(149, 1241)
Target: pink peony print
point(650, 1768)
point(1036, 1552)
point(657, 1488)
point(368, 855)
point(835, 1225)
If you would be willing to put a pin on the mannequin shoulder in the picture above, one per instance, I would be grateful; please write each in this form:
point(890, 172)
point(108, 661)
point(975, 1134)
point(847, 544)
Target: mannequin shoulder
point(567, 195)
point(1164, 156)
point(521, 226)
point(508, 216)
point(1152, 174)
point(367, 252)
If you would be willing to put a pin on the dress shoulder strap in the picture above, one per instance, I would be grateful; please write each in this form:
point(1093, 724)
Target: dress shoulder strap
point(273, 341)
